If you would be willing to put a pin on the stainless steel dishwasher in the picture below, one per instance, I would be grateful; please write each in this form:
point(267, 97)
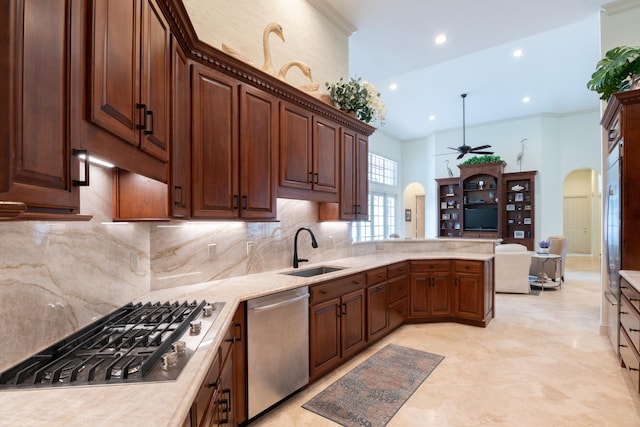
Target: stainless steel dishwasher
point(277, 347)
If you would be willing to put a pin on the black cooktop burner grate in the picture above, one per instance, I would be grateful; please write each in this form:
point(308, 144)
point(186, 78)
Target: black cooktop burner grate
point(120, 347)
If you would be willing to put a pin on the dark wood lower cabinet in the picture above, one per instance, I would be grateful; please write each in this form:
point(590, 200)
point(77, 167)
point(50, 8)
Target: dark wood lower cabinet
point(222, 396)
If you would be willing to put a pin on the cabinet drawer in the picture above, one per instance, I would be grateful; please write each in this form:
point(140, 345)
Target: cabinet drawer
point(398, 288)
point(398, 269)
point(377, 275)
point(432, 265)
point(630, 322)
point(630, 360)
point(336, 288)
point(468, 266)
point(398, 312)
point(631, 293)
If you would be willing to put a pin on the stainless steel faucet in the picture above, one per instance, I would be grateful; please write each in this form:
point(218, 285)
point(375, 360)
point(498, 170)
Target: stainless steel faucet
point(314, 244)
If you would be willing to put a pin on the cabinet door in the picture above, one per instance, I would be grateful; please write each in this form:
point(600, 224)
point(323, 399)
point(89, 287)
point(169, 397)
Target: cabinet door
point(348, 175)
point(324, 339)
point(353, 322)
point(258, 153)
point(468, 299)
point(398, 312)
point(214, 145)
point(36, 164)
point(295, 148)
point(155, 81)
point(115, 68)
point(180, 176)
point(440, 296)
point(326, 155)
point(362, 178)
point(377, 317)
point(419, 295)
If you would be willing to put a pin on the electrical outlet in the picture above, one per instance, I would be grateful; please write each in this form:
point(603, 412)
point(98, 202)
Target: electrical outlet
point(212, 248)
point(250, 248)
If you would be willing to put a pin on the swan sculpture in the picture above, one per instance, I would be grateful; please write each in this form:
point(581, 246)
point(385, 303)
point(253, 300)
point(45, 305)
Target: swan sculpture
point(275, 28)
point(234, 53)
point(304, 67)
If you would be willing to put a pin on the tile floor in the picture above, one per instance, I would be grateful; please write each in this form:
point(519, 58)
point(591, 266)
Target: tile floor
point(540, 362)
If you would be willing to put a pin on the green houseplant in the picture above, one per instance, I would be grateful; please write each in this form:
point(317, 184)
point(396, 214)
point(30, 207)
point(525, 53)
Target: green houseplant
point(476, 160)
point(616, 72)
point(358, 97)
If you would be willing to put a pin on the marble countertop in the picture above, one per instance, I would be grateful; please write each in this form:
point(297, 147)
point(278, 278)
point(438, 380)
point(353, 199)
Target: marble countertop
point(633, 277)
point(167, 403)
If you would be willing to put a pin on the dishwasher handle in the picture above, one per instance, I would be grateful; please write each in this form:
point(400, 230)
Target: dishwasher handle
point(279, 304)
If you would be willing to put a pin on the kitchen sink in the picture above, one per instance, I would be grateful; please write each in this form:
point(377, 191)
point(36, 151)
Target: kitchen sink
point(315, 271)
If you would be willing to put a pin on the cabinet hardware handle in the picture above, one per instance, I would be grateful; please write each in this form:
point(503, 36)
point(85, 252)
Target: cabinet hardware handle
point(142, 107)
point(239, 329)
point(244, 203)
point(634, 299)
point(634, 369)
point(317, 177)
point(623, 345)
point(356, 282)
point(344, 309)
point(149, 132)
point(624, 312)
point(634, 330)
point(323, 292)
point(83, 154)
point(310, 178)
point(235, 202)
point(177, 190)
point(213, 384)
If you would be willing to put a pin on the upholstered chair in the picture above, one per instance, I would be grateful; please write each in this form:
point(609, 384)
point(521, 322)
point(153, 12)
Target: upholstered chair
point(512, 262)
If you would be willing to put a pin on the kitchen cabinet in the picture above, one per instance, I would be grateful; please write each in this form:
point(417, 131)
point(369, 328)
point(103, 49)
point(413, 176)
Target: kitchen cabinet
point(221, 399)
point(38, 168)
point(469, 290)
point(377, 308)
point(629, 330)
point(431, 292)
point(452, 290)
point(130, 74)
point(309, 155)
point(336, 322)
point(354, 191)
point(233, 153)
point(398, 294)
point(180, 173)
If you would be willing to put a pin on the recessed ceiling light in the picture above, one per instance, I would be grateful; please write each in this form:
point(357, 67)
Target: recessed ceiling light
point(526, 99)
point(393, 86)
point(441, 38)
point(517, 53)
point(432, 117)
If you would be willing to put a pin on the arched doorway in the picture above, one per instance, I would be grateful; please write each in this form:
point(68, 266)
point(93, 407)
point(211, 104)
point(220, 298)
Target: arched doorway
point(581, 221)
point(414, 211)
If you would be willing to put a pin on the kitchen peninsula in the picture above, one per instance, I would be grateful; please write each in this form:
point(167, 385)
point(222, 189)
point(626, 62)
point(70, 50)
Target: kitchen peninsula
point(147, 403)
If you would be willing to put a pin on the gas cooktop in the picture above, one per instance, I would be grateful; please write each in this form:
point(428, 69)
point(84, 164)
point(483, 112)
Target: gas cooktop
point(137, 342)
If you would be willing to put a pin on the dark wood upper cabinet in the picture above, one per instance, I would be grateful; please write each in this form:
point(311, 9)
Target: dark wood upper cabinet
point(37, 165)
point(130, 73)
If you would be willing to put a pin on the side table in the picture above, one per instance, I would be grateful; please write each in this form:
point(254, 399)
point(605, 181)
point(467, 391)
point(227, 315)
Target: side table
point(542, 260)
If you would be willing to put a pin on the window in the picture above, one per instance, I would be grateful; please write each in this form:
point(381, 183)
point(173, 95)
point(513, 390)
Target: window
point(383, 189)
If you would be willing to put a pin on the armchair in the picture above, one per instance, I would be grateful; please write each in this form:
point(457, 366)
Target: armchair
point(554, 271)
point(512, 262)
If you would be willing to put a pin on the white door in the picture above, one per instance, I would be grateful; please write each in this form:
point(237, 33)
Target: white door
point(420, 217)
point(577, 224)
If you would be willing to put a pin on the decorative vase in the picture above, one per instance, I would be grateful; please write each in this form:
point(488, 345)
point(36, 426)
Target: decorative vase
point(544, 250)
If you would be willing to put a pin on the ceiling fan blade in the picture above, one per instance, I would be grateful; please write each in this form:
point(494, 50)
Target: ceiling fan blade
point(481, 152)
point(481, 147)
point(454, 148)
point(461, 156)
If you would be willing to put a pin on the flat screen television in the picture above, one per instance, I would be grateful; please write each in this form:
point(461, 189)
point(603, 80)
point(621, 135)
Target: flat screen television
point(482, 218)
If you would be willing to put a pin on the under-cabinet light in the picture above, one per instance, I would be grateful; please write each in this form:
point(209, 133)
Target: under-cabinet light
point(97, 161)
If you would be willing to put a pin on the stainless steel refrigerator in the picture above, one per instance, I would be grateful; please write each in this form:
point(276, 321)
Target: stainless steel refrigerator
point(613, 233)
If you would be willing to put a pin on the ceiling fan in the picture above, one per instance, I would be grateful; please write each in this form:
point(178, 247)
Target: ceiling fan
point(464, 148)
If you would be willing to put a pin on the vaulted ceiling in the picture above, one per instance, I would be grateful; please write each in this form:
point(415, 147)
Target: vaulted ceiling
point(394, 44)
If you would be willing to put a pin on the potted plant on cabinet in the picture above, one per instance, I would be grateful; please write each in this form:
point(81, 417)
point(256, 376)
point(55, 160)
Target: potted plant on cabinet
point(618, 71)
point(358, 97)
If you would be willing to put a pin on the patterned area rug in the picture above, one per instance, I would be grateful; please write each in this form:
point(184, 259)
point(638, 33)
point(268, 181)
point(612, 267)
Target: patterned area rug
point(371, 393)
